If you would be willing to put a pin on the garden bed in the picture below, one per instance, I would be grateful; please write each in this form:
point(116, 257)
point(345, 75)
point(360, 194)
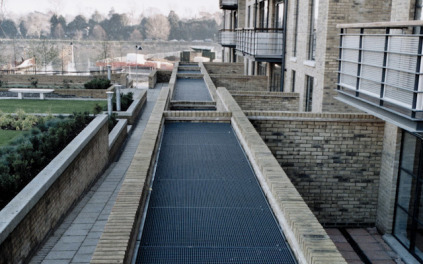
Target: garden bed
point(134, 109)
point(49, 106)
point(8, 135)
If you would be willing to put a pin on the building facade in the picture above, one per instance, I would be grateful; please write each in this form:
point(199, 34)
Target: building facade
point(352, 56)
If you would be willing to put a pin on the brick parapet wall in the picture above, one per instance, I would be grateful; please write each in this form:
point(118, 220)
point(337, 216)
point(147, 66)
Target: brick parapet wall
point(240, 82)
point(224, 68)
point(117, 242)
point(306, 237)
point(334, 160)
point(266, 101)
point(28, 219)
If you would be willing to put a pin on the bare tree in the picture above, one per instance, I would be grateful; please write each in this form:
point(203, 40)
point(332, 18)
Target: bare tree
point(136, 35)
point(99, 33)
point(157, 27)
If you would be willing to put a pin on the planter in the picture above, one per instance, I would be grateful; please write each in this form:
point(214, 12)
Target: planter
point(39, 207)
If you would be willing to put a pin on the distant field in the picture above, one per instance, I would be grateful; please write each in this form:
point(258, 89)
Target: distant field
point(8, 135)
point(48, 106)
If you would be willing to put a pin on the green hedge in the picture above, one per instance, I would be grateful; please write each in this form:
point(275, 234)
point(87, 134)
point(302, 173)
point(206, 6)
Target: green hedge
point(29, 154)
point(98, 83)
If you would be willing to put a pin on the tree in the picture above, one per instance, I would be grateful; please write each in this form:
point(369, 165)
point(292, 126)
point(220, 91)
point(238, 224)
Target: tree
point(136, 35)
point(157, 27)
point(116, 27)
point(8, 29)
point(78, 26)
point(23, 29)
point(58, 32)
point(174, 25)
point(98, 33)
point(57, 26)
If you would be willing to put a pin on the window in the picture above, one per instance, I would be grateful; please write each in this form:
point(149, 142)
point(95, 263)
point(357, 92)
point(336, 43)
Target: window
point(418, 10)
point(249, 17)
point(262, 68)
point(279, 15)
point(295, 29)
point(408, 225)
point(293, 73)
point(263, 6)
point(275, 82)
point(314, 9)
point(309, 94)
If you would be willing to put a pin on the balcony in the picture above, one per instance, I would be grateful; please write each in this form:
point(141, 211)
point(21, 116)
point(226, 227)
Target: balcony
point(227, 38)
point(260, 44)
point(228, 4)
point(380, 71)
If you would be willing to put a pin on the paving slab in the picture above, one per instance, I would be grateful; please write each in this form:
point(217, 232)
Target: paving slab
point(75, 240)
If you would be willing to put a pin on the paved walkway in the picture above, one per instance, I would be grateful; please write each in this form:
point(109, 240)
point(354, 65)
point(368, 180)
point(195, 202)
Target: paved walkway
point(367, 241)
point(77, 237)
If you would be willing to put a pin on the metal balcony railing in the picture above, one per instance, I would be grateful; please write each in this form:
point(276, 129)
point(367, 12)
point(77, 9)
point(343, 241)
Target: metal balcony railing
point(227, 37)
point(264, 44)
point(228, 4)
point(380, 70)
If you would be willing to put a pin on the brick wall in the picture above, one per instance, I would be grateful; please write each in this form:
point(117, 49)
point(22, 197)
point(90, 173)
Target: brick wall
point(240, 82)
point(332, 159)
point(266, 101)
point(324, 68)
point(224, 68)
point(57, 200)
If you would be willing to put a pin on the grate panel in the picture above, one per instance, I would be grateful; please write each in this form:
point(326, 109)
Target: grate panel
point(211, 227)
point(176, 255)
point(206, 205)
point(193, 90)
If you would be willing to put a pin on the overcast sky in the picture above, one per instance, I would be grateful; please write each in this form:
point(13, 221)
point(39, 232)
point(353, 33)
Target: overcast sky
point(184, 8)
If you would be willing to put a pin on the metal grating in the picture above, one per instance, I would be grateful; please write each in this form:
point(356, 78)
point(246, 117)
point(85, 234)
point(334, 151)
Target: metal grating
point(192, 90)
point(206, 205)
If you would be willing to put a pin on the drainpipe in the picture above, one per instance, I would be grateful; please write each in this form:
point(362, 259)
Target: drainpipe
point(285, 19)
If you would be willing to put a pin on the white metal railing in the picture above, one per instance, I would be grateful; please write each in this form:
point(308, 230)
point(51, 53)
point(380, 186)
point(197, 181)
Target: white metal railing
point(381, 63)
point(262, 43)
point(224, 4)
point(227, 37)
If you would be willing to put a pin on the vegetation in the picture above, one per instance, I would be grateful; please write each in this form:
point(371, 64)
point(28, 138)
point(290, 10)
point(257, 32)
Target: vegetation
point(113, 27)
point(98, 83)
point(27, 155)
point(49, 106)
point(125, 101)
point(8, 135)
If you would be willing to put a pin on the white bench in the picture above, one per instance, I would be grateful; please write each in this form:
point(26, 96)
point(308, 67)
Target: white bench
point(20, 92)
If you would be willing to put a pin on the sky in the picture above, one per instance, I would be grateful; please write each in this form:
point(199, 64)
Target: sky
point(184, 8)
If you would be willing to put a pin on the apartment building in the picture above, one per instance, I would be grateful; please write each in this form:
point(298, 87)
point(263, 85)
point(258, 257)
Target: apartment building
point(294, 43)
point(380, 72)
point(351, 56)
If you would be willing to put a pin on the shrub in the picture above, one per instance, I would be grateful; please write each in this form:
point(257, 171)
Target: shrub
point(112, 122)
point(98, 83)
point(29, 154)
point(20, 121)
point(125, 101)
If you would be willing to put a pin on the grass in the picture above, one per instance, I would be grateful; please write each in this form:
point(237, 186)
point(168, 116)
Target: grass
point(8, 135)
point(49, 106)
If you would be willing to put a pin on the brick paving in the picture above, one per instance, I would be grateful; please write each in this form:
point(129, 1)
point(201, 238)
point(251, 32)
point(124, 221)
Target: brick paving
point(370, 243)
point(76, 238)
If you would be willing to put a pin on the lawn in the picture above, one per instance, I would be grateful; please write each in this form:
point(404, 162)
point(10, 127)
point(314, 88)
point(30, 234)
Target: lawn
point(49, 106)
point(7, 135)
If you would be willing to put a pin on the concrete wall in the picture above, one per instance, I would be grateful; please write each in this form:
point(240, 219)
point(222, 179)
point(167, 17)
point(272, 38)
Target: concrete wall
point(41, 205)
point(224, 68)
point(240, 82)
point(266, 101)
point(117, 137)
point(332, 159)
